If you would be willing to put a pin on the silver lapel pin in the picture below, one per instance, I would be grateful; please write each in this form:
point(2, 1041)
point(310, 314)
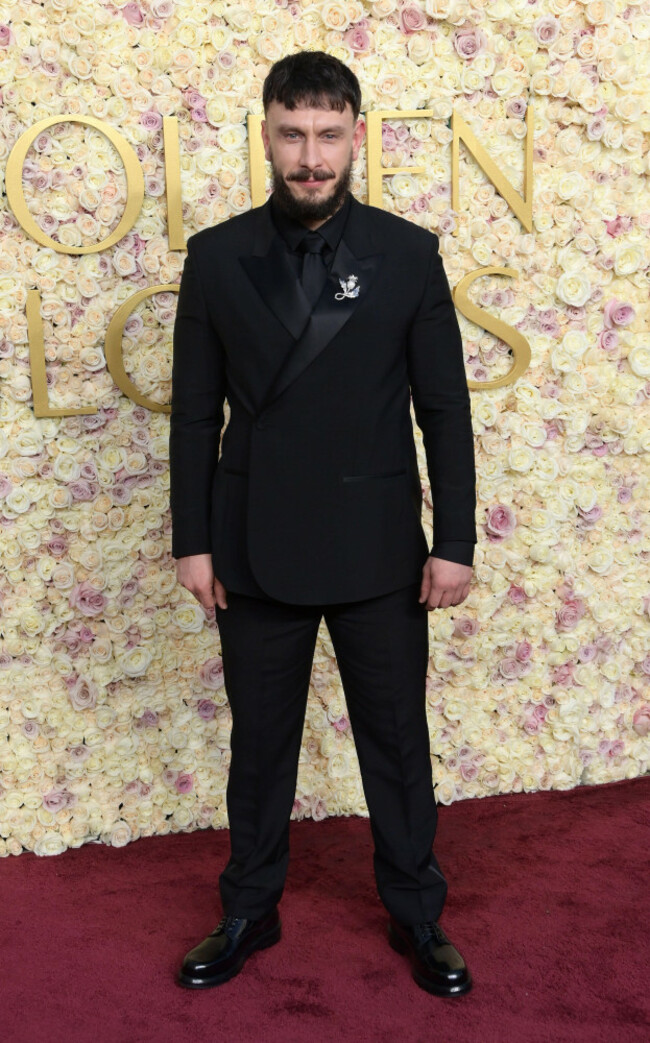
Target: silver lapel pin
point(349, 288)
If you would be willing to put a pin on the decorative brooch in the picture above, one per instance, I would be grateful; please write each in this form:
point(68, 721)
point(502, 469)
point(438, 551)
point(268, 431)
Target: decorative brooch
point(349, 288)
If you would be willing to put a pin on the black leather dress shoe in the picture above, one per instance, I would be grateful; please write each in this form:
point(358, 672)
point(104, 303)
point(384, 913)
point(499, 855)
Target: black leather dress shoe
point(224, 952)
point(437, 966)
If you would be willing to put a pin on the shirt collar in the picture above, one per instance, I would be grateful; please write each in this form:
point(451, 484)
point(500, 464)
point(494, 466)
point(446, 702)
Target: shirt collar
point(293, 231)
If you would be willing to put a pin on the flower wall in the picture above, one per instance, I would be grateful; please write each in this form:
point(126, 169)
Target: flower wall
point(114, 721)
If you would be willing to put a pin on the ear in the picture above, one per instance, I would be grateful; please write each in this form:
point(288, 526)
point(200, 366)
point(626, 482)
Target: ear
point(359, 134)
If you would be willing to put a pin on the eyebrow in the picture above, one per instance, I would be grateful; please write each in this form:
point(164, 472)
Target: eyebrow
point(284, 127)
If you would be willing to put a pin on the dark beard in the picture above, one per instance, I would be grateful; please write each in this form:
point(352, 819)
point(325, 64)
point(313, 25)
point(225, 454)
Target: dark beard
point(305, 209)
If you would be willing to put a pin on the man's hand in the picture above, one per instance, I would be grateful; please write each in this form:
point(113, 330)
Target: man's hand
point(444, 583)
point(196, 574)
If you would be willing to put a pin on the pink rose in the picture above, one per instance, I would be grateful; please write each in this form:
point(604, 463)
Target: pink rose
point(56, 800)
point(206, 709)
point(500, 521)
point(318, 809)
point(412, 19)
point(517, 595)
point(211, 674)
point(570, 614)
point(586, 653)
point(184, 783)
point(592, 516)
point(80, 753)
point(509, 668)
point(607, 340)
point(617, 313)
point(89, 601)
point(546, 30)
point(641, 720)
point(516, 107)
point(83, 694)
point(466, 627)
point(357, 38)
point(524, 651)
point(149, 719)
point(5, 35)
point(618, 225)
point(469, 42)
point(151, 120)
point(563, 675)
point(133, 15)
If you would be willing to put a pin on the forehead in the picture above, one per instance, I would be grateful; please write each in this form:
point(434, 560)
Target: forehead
point(308, 115)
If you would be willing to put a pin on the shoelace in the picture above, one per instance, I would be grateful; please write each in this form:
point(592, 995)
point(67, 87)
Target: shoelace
point(226, 922)
point(432, 929)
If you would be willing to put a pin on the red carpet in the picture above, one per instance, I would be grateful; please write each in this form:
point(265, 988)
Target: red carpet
point(548, 902)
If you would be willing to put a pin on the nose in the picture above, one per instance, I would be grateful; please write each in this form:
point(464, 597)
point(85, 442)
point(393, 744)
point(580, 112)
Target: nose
point(311, 155)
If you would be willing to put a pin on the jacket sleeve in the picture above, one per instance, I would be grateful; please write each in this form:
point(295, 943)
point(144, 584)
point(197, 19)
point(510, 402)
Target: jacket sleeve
point(442, 409)
point(197, 415)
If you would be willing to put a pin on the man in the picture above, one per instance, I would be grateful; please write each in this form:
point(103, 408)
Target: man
point(316, 317)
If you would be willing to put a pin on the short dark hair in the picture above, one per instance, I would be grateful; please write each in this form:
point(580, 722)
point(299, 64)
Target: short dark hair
point(312, 78)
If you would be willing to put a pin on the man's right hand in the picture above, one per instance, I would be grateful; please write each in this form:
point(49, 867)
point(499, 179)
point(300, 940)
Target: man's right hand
point(195, 573)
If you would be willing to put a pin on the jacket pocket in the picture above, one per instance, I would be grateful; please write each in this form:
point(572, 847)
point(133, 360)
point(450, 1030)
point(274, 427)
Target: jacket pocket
point(369, 477)
point(232, 470)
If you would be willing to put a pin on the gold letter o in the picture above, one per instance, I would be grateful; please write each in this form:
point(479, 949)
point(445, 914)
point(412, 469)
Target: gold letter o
point(16, 197)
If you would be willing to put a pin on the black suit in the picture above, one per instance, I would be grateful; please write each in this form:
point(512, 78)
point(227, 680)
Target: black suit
point(314, 507)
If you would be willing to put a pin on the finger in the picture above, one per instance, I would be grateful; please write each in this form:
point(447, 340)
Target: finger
point(425, 586)
point(207, 603)
point(220, 594)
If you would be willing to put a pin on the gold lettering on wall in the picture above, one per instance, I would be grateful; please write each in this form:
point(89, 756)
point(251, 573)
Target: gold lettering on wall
point(522, 207)
point(511, 336)
point(16, 196)
point(175, 234)
point(42, 405)
point(375, 171)
point(113, 347)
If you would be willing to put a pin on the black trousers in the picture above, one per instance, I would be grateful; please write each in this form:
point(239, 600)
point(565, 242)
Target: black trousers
point(381, 647)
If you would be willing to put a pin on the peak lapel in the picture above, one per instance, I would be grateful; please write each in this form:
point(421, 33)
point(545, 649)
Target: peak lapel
point(335, 306)
point(274, 280)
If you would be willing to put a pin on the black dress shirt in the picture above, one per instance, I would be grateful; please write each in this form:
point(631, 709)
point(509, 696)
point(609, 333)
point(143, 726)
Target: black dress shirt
point(293, 232)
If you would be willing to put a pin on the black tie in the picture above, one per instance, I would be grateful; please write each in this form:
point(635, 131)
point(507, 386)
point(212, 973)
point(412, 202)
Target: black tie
point(314, 272)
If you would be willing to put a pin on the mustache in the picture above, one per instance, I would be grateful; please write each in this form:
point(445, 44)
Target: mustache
point(306, 175)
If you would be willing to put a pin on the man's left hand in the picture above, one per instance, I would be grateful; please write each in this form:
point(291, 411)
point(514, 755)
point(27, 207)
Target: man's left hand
point(444, 583)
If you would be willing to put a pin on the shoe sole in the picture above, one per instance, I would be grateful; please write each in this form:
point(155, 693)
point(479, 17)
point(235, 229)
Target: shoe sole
point(265, 941)
point(399, 945)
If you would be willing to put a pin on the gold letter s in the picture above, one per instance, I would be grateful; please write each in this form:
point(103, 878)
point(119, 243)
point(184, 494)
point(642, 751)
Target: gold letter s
point(513, 337)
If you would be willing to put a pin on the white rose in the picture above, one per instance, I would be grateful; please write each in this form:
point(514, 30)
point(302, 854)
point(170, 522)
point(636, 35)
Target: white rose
point(627, 259)
point(135, 662)
point(573, 288)
point(50, 844)
point(639, 361)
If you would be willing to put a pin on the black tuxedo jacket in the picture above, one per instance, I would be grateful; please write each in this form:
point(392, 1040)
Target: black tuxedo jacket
point(316, 497)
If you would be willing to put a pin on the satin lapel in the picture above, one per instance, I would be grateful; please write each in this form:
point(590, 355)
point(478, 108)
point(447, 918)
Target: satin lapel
point(329, 316)
point(276, 284)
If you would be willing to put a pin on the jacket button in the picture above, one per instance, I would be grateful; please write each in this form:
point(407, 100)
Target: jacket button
point(260, 425)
